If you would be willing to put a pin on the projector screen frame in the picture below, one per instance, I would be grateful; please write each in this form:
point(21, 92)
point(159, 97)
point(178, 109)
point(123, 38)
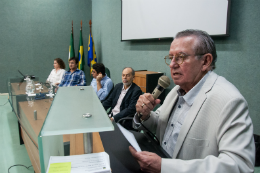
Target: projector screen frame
point(167, 38)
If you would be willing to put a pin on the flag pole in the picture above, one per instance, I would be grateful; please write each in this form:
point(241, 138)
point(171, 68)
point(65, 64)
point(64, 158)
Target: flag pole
point(71, 47)
point(90, 25)
point(72, 30)
point(81, 25)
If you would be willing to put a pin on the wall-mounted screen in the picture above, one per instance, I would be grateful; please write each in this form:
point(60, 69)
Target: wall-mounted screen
point(149, 19)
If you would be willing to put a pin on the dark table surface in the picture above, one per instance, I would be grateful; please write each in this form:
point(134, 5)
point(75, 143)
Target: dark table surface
point(116, 146)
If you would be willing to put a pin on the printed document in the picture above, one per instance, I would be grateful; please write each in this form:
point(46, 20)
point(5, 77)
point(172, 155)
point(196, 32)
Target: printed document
point(85, 163)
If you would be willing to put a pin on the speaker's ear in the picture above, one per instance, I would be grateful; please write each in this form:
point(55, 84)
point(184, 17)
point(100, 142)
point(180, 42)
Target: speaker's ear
point(208, 58)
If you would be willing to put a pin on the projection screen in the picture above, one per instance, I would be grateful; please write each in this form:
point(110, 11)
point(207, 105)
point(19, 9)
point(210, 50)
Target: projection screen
point(150, 19)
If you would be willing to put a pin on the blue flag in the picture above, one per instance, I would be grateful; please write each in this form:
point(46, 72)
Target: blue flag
point(92, 57)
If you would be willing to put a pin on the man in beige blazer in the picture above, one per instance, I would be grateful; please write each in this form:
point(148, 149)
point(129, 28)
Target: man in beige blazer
point(213, 132)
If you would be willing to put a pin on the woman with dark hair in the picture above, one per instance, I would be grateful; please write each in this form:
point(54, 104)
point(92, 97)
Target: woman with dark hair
point(57, 73)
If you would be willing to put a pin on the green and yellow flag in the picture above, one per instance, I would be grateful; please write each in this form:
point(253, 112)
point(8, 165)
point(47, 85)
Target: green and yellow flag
point(81, 51)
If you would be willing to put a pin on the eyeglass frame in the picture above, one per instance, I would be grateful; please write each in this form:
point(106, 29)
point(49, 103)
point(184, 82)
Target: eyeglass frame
point(180, 56)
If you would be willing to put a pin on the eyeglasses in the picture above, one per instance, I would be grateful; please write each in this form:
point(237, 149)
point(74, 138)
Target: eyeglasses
point(179, 58)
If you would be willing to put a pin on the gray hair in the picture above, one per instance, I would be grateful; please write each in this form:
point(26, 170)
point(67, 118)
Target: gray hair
point(133, 72)
point(204, 45)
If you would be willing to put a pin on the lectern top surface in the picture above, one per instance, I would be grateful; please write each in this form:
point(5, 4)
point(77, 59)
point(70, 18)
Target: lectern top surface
point(66, 114)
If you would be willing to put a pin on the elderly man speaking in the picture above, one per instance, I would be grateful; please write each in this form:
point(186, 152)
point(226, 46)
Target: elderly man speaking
point(204, 123)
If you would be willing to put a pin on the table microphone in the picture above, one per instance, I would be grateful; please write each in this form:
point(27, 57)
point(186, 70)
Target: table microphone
point(163, 83)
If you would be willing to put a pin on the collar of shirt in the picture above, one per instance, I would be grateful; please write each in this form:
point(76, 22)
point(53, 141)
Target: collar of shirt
point(191, 95)
point(74, 71)
point(103, 79)
point(57, 70)
point(127, 88)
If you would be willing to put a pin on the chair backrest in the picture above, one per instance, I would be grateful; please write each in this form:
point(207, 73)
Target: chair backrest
point(107, 72)
point(257, 149)
point(108, 94)
point(127, 121)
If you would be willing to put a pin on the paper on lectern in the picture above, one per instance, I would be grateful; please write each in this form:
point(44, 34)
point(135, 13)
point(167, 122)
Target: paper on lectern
point(130, 137)
point(85, 163)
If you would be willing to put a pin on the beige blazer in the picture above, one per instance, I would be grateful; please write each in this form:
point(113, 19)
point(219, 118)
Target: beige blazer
point(217, 134)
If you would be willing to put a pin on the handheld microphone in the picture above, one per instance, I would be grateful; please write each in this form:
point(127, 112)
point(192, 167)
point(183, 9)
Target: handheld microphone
point(163, 83)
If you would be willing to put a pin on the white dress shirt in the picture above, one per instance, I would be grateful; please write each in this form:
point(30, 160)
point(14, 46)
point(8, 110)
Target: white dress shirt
point(116, 109)
point(178, 115)
point(56, 76)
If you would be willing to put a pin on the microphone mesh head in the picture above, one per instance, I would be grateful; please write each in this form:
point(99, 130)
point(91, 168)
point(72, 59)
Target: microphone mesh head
point(164, 81)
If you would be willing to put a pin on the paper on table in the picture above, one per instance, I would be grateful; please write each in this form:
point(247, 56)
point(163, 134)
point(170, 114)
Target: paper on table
point(130, 137)
point(30, 94)
point(64, 167)
point(39, 88)
point(90, 163)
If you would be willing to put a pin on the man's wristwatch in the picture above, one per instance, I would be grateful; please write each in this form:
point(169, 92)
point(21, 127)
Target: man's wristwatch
point(140, 117)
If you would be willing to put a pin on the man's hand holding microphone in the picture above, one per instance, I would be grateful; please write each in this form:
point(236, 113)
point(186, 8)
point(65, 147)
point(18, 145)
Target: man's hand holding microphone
point(145, 105)
point(149, 162)
point(147, 101)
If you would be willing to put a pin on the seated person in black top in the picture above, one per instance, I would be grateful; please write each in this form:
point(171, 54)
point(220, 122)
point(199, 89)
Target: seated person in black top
point(124, 97)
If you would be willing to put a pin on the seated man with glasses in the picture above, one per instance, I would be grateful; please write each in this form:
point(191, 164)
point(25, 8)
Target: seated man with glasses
point(204, 123)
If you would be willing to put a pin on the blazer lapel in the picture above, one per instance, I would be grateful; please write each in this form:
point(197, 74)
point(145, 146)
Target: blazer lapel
point(194, 110)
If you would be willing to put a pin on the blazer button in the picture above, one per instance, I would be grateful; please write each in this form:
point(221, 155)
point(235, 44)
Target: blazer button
point(164, 143)
point(179, 106)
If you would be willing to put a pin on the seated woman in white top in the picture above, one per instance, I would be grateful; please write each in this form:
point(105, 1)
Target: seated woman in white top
point(57, 73)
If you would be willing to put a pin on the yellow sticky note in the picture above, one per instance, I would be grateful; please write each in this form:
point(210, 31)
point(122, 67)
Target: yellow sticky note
point(64, 167)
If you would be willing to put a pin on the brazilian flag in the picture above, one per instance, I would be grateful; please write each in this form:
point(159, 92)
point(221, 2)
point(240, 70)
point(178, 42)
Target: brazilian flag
point(71, 47)
point(92, 57)
point(81, 52)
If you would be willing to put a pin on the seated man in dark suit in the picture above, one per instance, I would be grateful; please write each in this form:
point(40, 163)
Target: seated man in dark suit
point(123, 98)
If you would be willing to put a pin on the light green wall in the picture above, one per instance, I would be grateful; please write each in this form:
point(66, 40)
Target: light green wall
point(238, 55)
point(35, 32)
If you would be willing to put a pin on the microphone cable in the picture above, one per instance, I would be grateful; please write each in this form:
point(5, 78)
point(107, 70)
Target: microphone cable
point(150, 133)
point(27, 167)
